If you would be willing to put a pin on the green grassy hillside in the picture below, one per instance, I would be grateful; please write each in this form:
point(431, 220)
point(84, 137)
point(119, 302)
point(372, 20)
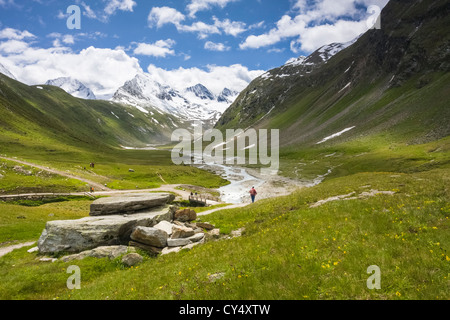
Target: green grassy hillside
point(392, 80)
point(51, 128)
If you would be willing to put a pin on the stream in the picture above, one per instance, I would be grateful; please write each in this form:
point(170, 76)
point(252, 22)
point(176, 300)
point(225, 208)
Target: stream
point(237, 192)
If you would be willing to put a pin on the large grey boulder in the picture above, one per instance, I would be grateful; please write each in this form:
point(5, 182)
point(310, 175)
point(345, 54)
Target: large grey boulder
point(150, 236)
point(129, 204)
point(75, 236)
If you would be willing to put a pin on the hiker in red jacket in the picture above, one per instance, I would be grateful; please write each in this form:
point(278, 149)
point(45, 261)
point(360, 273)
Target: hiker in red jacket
point(253, 194)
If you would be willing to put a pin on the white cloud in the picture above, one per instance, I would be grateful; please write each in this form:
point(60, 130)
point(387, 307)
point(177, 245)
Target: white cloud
point(112, 6)
point(211, 46)
point(160, 16)
point(201, 5)
point(13, 46)
point(88, 12)
point(325, 22)
point(68, 39)
point(102, 70)
point(160, 48)
point(233, 28)
point(122, 5)
point(216, 78)
point(202, 29)
point(14, 34)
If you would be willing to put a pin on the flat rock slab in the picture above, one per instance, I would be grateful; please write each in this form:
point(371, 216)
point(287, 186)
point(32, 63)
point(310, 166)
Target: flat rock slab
point(75, 236)
point(129, 204)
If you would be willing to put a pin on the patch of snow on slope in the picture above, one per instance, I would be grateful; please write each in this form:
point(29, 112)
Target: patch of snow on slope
point(336, 135)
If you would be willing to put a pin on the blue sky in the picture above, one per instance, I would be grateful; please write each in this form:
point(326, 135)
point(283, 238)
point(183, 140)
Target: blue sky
point(173, 39)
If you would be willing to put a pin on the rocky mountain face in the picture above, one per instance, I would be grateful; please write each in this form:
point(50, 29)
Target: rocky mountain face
point(389, 79)
point(72, 87)
point(194, 103)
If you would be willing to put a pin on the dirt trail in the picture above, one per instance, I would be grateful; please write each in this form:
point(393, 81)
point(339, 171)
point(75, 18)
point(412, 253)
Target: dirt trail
point(96, 185)
point(5, 250)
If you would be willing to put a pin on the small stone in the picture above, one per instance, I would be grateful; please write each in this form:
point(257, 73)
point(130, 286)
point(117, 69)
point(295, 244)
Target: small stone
point(149, 249)
point(216, 276)
point(150, 236)
point(206, 226)
point(185, 215)
point(197, 237)
point(45, 259)
point(170, 250)
point(165, 226)
point(178, 242)
point(132, 259)
point(237, 233)
point(212, 235)
point(35, 249)
point(179, 232)
point(190, 246)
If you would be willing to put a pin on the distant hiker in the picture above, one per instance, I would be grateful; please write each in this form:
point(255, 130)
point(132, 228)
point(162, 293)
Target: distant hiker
point(92, 189)
point(253, 194)
point(92, 165)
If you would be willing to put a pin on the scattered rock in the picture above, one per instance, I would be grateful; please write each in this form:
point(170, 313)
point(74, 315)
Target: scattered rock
point(22, 170)
point(150, 236)
point(185, 215)
point(237, 233)
point(46, 259)
point(216, 276)
point(205, 225)
point(197, 237)
point(170, 250)
point(165, 226)
point(363, 195)
point(1, 176)
point(149, 249)
point(178, 242)
point(180, 232)
point(215, 233)
point(131, 170)
point(111, 252)
point(191, 246)
point(129, 204)
point(35, 249)
point(132, 259)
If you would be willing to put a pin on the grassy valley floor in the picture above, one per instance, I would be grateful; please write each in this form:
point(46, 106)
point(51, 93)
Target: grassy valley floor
point(316, 243)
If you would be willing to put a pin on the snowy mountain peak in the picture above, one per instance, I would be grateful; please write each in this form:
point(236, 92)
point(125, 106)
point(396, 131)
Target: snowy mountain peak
point(72, 87)
point(194, 103)
point(6, 72)
point(201, 92)
point(303, 66)
point(227, 96)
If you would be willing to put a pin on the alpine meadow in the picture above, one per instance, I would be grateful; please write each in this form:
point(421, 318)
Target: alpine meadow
point(93, 207)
